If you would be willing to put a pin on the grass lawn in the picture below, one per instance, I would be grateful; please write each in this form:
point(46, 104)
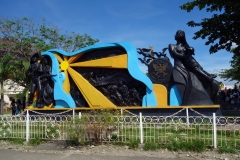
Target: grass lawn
point(8, 112)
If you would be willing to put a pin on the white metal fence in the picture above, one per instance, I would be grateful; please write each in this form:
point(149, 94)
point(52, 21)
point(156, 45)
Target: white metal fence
point(213, 131)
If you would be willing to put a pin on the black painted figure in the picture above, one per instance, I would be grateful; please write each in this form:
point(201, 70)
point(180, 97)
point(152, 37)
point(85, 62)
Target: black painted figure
point(192, 81)
point(79, 100)
point(123, 89)
point(192, 65)
point(183, 53)
point(40, 74)
point(45, 79)
point(135, 99)
point(115, 95)
point(34, 72)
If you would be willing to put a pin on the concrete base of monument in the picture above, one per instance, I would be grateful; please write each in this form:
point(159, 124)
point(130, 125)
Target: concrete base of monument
point(146, 111)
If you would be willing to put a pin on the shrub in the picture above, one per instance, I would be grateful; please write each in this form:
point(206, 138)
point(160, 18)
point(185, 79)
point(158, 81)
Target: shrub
point(150, 146)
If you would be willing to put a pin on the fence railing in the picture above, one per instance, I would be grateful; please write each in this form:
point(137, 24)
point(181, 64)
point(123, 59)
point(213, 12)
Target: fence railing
point(213, 131)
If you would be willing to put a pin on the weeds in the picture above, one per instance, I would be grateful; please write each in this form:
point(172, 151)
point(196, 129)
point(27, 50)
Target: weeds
point(227, 149)
point(35, 141)
point(133, 144)
point(195, 145)
point(150, 146)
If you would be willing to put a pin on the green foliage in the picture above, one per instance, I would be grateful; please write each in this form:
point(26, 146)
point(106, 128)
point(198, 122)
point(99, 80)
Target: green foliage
point(195, 145)
point(222, 30)
point(15, 140)
point(35, 141)
point(52, 131)
point(133, 144)
point(23, 37)
point(229, 146)
point(150, 146)
point(227, 149)
point(92, 125)
point(222, 27)
point(233, 72)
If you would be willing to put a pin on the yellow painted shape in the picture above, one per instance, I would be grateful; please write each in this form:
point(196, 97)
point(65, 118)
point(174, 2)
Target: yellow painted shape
point(160, 92)
point(74, 58)
point(66, 83)
point(58, 57)
point(35, 95)
point(109, 62)
point(30, 107)
point(93, 97)
point(64, 65)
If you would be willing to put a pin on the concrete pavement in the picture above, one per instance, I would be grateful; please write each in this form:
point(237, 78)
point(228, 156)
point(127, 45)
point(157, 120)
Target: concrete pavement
point(57, 151)
point(8, 154)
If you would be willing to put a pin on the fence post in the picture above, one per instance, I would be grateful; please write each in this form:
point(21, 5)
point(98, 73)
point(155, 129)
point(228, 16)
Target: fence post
point(141, 128)
point(79, 115)
point(27, 126)
point(187, 117)
point(214, 131)
point(73, 114)
point(122, 118)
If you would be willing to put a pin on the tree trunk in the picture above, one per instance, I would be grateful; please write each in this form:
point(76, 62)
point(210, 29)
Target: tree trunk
point(2, 98)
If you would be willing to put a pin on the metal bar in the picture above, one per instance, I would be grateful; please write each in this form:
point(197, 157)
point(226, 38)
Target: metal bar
point(141, 128)
point(27, 126)
point(214, 131)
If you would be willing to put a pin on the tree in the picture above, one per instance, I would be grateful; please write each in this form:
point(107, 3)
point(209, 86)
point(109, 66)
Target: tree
point(5, 69)
point(23, 37)
point(221, 30)
point(233, 72)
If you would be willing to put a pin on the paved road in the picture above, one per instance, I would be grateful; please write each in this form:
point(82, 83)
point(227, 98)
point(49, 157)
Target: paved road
point(8, 154)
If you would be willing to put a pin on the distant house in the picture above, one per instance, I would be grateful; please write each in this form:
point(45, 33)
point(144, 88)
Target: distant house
point(9, 93)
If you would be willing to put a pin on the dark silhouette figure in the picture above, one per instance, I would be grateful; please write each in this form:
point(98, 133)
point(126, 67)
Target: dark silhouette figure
point(40, 74)
point(79, 100)
point(196, 86)
point(46, 81)
point(14, 107)
point(124, 91)
point(192, 65)
point(34, 72)
point(19, 106)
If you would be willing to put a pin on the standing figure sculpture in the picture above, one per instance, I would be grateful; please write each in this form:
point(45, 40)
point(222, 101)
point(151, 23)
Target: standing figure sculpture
point(40, 74)
point(46, 82)
point(195, 85)
point(34, 72)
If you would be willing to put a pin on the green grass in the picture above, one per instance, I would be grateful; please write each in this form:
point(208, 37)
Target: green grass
point(8, 112)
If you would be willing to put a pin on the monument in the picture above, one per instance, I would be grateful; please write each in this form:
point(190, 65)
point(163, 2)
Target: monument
point(107, 76)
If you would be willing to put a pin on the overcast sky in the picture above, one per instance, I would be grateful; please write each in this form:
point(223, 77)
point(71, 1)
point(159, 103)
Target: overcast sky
point(144, 23)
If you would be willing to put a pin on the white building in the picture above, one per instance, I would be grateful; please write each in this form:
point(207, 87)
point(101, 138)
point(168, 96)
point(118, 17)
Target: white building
point(10, 92)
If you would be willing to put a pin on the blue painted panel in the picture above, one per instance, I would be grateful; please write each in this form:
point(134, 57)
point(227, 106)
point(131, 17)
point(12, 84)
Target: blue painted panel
point(150, 99)
point(133, 67)
point(62, 99)
point(175, 97)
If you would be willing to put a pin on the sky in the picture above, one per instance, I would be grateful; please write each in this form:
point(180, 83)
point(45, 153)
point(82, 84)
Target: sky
point(144, 23)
